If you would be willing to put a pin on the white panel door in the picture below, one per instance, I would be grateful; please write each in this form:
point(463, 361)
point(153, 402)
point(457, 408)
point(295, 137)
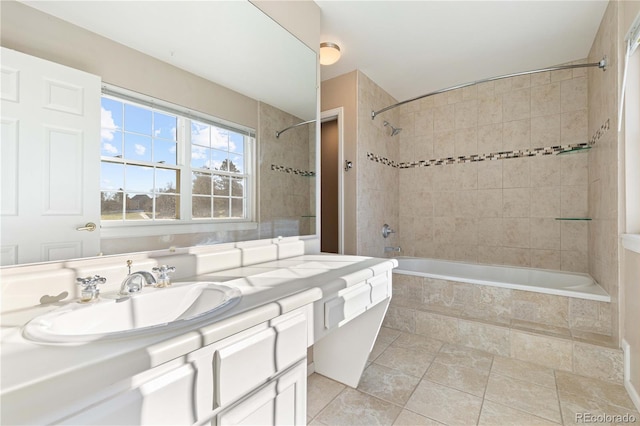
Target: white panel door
point(50, 161)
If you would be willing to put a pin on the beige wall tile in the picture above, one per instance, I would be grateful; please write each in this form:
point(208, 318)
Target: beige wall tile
point(443, 204)
point(573, 127)
point(489, 110)
point(545, 99)
point(490, 232)
point(545, 234)
point(515, 173)
point(573, 235)
point(516, 135)
point(444, 118)
point(545, 259)
point(574, 170)
point(437, 326)
point(490, 203)
point(545, 131)
point(545, 171)
point(444, 143)
point(516, 232)
point(490, 174)
point(490, 138)
point(545, 202)
point(516, 256)
point(540, 78)
point(466, 142)
point(466, 113)
point(542, 350)
point(484, 337)
point(574, 261)
point(516, 105)
point(598, 362)
point(574, 94)
point(515, 202)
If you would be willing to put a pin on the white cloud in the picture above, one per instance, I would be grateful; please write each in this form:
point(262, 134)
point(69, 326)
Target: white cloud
point(140, 149)
point(198, 153)
point(109, 148)
point(108, 125)
point(219, 138)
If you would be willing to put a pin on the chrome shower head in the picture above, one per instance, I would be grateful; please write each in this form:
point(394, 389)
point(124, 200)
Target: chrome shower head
point(394, 130)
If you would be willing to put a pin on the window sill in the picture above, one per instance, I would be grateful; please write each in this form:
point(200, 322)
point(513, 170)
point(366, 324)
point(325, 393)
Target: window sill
point(120, 230)
point(631, 242)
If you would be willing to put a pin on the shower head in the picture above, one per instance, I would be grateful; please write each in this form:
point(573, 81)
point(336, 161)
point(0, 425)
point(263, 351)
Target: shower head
point(394, 130)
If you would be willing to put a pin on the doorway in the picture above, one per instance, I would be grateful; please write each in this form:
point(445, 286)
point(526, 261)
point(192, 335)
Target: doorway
point(331, 184)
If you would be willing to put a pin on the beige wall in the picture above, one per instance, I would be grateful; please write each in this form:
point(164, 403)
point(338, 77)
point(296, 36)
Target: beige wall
point(498, 211)
point(335, 93)
point(35, 33)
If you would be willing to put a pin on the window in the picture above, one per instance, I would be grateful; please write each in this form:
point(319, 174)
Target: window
point(163, 165)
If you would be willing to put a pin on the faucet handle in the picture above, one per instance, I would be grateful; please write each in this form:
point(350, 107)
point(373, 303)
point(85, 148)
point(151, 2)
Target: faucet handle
point(90, 290)
point(87, 282)
point(163, 272)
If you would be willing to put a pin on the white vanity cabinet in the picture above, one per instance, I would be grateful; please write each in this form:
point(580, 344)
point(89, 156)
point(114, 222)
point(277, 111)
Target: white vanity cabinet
point(257, 376)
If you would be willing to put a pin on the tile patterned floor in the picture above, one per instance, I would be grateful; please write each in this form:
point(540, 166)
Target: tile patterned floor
point(415, 380)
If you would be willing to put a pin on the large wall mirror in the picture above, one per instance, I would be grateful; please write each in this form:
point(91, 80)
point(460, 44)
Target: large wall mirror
point(222, 59)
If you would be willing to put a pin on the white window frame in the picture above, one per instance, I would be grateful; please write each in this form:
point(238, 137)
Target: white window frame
point(186, 224)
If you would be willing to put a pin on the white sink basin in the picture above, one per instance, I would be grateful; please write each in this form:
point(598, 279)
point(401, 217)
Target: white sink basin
point(154, 309)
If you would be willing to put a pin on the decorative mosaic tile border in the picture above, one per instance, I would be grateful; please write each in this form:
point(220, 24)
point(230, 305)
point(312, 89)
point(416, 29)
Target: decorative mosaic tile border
point(292, 171)
point(599, 133)
point(535, 152)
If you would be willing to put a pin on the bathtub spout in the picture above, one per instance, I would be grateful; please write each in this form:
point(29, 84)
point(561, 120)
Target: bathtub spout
point(392, 249)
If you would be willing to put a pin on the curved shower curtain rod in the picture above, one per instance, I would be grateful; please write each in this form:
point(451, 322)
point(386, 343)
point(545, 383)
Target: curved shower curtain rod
point(278, 133)
point(602, 65)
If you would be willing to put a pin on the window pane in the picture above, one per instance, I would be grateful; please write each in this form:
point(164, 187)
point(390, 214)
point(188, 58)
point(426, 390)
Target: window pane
point(111, 114)
point(111, 145)
point(111, 205)
point(236, 142)
point(139, 207)
point(137, 147)
point(237, 208)
point(218, 160)
point(200, 157)
point(165, 126)
point(237, 187)
point(137, 119)
point(165, 151)
point(200, 134)
point(139, 178)
point(201, 207)
point(221, 185)
point(219, 138)
point(166, 207)
point(220, 207)
point(236, 163)
point(166, 181)
point(201, 184)
point(111, 176)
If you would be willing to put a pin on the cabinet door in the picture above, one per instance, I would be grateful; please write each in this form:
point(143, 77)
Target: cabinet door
point(282, 401)
point(163, 400)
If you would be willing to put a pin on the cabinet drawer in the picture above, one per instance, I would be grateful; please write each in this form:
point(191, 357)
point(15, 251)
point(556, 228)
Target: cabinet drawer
point(379, 288)
point(348, 305)
point(246, 364)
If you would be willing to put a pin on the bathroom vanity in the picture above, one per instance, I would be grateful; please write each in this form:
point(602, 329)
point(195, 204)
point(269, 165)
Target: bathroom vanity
point(247, 365)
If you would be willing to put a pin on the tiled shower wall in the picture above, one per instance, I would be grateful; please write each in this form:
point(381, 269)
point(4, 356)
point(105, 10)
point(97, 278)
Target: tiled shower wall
point(497, 211)
point(377, 184)
point(603, 159)
point(287, 175)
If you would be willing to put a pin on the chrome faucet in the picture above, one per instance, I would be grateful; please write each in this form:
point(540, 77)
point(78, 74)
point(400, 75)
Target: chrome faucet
point(392, 249)
point(134, 282)
point(90, 291)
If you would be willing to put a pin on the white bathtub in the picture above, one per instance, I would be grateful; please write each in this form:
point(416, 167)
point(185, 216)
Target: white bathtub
point(568, 284)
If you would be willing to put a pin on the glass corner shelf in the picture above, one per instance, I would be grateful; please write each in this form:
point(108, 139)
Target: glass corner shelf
point(573, 218)
point(308, 216)
point(574, 150)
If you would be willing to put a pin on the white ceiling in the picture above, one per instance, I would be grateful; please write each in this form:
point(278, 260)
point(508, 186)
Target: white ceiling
point(411, 48)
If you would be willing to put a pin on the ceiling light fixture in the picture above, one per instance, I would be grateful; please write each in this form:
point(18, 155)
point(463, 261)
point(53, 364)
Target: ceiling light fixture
point(329, 53)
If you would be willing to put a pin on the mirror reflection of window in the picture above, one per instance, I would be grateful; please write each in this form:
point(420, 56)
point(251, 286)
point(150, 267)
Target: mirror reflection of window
point(141, 168)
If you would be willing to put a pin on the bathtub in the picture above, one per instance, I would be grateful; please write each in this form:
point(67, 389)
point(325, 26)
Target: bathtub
point(559, 283)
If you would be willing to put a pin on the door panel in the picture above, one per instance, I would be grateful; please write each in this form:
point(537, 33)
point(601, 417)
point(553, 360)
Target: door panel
point(50, 160)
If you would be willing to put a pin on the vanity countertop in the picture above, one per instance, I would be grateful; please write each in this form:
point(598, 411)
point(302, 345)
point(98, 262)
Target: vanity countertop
point(31, 370)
